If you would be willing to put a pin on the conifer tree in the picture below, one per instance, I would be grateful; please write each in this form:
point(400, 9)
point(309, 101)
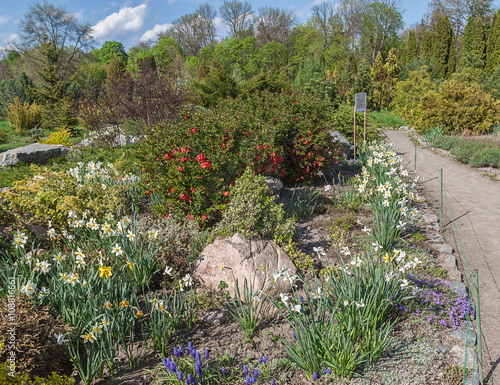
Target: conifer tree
point(427, 45)
point(442, 50)
point(117, 79)
point(493, 46)
point(452, 58)
point(480, 40)
point(469, 35)
point(411, 47)
point(392, 70)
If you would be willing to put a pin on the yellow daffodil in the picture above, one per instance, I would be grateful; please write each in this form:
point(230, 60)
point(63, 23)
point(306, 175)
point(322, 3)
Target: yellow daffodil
point(386, 258)
point(105, 271)
point(139, 314)
point(89, 337)
point(108, 305)
point(124, 303)
point(130, 264)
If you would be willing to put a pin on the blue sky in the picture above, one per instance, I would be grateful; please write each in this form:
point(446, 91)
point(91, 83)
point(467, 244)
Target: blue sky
point(131, 21)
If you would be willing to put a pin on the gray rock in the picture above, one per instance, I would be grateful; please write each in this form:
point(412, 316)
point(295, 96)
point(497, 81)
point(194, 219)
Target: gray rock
point(39, 231)
point(443, 248)
point(441, 348)
point(451, 261)
point(275, 185)
point(458, 287)
point(429, 218)
point(472, 380)
point(216, 317)
point(437, 241)
point(461, 334)
point(34, 153)
point(458, 355)
point(348, 150)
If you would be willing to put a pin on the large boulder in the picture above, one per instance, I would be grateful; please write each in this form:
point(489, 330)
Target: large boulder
point(34, 153)
point(257, 259)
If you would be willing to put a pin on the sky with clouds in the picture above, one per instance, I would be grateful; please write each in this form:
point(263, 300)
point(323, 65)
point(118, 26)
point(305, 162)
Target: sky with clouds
point(132, 21)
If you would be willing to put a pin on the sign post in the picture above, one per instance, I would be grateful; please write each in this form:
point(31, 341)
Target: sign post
point(359, 106)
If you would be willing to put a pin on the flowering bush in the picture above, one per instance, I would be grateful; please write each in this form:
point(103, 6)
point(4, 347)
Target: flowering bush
point(192, 163)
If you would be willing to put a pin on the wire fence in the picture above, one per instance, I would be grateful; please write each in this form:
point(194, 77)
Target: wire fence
point(440, 199)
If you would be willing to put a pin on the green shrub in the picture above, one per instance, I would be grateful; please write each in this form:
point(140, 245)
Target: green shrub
point(3, 136)
point(192, 163)
point(51, 195)
point(387, 119)
point(23, 379)
point(459, 108)
point(253, 213)
point(343, 121)
point(24, 116)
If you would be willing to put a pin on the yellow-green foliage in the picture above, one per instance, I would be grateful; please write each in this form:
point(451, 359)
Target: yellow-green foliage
point(300, 259)
point(408, 93)
point(24, 379)
point(3, 136)
point(60, 136)
point(459, 107)
point(51, 195)
point(24, 116)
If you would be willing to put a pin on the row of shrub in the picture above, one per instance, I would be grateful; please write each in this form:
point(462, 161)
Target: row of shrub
point(192, 163)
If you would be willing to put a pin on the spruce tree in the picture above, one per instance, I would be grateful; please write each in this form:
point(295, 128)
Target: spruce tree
point(427, 45)
point(493, 46)
point(452, 58)
point(411, 47)
point(469, 35)
point(117, 79)
point(442, 49)
point(480, 40)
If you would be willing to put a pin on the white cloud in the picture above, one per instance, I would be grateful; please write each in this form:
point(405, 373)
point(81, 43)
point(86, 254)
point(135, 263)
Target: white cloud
point(77, 15)
point(152, 34)
point(7, 40)
point(120, 23)
point(4, 19)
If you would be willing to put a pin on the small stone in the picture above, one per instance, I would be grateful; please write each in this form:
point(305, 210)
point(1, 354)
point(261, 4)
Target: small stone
point(451, 261)
point(461, 334)
point(437, 240)
point(457, 354)
point(216, 317)
point(275, 185)
point(444, 248)
point(39, 231)
point(441, 348)
point(472, 380)
point(458, 287)
point(429, 218)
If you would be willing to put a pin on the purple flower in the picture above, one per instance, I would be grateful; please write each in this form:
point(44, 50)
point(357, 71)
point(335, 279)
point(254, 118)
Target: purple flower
point(190, 347)
point(208, 367)
point(180, 351)
point(180, 376)
point(197, 355)
point(273, 382)
point(176, 353)
point(260, 360)
point(252, 380)
point(245, 369)
point(190, 378)
point(293, 334)
point(328, 371)
point(198, 370)
point(315, 376)
point(207, 355)
point(223, 370)
point(265, 359)
point(247, 381)
point(301, 299)
point(256, 374)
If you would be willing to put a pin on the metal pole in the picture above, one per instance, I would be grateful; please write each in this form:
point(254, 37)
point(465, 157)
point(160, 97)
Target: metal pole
point(441, 205)
point(354, 132)
point(478, 326)
point(364, 128)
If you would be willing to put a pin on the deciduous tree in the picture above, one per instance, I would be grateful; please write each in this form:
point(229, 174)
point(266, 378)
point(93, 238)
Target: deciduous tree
point(237, 16)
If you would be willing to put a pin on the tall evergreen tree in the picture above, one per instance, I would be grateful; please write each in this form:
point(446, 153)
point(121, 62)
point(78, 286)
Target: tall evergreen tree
point(480, 40)
point(117, 78)
point(493, 46)
point(442, 50)
point(469, 35)
point(452, 57)
point(411, 47)
point(427, 44)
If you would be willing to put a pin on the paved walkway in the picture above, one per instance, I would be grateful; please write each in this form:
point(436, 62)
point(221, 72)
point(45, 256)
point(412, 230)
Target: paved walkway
point(475, 204)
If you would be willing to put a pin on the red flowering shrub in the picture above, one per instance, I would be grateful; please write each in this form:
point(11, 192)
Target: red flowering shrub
point(192, 163)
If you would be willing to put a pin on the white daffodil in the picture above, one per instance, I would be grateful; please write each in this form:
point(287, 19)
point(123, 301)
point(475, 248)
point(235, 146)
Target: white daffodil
point(345, 269)
point(60, 338)
point(366, 230)
point(320, 174)
point(29, 288)
point(295, 308)
point(187, 280)
point(346, 303)
point(360, 304)
point(404, 283)
point(167, 271)
point(284, 298)
point(376, 246)
point(320, 251)
point(345, 250)
point(51, 232)
point(117, 250)
point(255, 295)
point(328, 188)
point(276, 277)
point(357, 262)
point(45, 267)
point(130, 235)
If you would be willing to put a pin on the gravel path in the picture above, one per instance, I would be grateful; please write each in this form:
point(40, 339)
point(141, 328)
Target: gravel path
point(475, 204)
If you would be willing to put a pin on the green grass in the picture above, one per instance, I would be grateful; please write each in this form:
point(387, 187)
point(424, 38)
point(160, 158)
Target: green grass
point(13, 139)
point(476, 152)
point(387, 119)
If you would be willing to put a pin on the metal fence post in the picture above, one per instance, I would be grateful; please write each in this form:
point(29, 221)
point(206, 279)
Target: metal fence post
point(415, 164)
point(478, 326)
point(441, 205)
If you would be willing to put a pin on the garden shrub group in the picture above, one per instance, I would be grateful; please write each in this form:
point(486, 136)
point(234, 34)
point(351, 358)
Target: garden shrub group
point(458, 107)
point(24, 117)
point(193, 163)
point(60, 136)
